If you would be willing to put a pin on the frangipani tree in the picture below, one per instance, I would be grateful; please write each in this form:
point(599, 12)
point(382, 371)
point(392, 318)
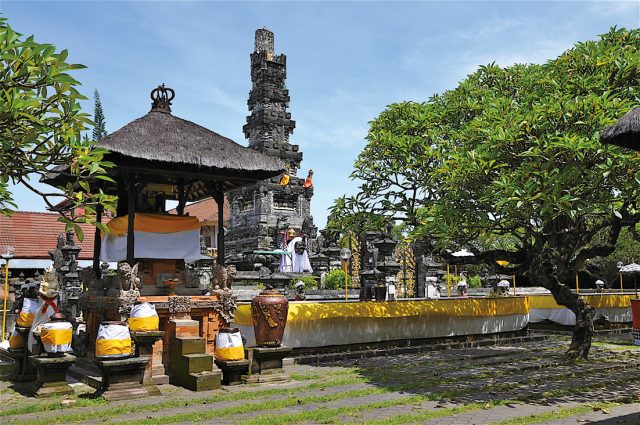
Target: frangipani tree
point(522, 159)
point(42, 125)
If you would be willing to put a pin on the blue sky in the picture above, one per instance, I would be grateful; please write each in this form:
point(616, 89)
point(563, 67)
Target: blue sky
point(346, 60)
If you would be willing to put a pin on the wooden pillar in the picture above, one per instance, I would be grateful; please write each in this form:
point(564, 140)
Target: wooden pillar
point(182, 197)
point(131, 200)
point(97, 243)
point(218, 196)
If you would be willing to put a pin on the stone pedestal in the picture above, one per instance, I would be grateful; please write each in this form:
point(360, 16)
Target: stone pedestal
point(122, 379)
point(232, 371)
point(52, 375)
point(265, 364)
point(144, 348)
point(24, 370)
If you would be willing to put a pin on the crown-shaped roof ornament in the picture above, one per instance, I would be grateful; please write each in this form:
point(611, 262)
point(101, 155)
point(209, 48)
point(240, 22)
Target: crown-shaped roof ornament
point(162, 97)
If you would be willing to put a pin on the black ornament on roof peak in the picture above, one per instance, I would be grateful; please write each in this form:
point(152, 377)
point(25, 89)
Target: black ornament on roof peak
point(162, 97)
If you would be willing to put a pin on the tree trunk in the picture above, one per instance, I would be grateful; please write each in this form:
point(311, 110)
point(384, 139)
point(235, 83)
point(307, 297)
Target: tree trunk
point(583, 330)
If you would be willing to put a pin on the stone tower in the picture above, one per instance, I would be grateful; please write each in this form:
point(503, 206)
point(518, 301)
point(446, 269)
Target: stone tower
point(260, 212)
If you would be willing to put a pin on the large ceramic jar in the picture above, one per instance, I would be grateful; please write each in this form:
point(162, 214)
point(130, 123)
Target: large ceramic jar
point(269, 309)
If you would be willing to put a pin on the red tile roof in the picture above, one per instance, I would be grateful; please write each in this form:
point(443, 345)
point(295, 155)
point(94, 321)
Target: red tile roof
point(206, 210)
point(33, 234)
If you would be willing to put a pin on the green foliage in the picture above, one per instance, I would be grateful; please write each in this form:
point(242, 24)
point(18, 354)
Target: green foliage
point(335, 280)
point(522, 157)
point(41, 126)
point(310, 282)
point(509, 162)
point(474, 281)
point(99, 128)
point(348, 214)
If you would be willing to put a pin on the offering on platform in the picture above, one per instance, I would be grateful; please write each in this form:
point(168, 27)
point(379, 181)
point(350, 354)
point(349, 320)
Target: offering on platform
point(56, 335)
point(229, 345)
point(114, 341)
point(144, 318)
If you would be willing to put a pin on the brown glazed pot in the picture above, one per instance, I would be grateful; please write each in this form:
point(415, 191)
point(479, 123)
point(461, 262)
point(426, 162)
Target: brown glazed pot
point(269, 309)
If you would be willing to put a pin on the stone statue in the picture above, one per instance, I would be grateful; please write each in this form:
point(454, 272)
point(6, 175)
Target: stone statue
point(223, 276)
point(129, 288)
point(128, 277)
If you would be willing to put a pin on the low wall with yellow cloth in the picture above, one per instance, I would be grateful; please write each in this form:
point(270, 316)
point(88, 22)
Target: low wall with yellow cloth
point(616, 307)
point(316, 324)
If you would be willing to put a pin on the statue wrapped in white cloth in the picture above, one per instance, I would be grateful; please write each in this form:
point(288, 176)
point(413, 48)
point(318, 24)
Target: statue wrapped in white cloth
point(297, 259)
point(47, 306)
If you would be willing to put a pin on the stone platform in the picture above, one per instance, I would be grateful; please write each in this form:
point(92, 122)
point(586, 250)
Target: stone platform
point(52, 375)
point(266, 364)
point(122, 379)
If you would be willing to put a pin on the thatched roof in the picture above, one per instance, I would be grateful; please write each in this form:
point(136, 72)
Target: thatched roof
point(169, 145)
point(625, 132)
point(159, 136)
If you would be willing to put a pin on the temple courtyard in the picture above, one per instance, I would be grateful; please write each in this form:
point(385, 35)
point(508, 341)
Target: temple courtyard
point(522, 381)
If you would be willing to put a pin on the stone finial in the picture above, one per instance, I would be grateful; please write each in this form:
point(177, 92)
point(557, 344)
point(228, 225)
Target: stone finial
point(162, 97)
point(264, 41)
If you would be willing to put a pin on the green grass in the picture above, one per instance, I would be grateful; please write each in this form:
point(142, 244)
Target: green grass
point(262, 406)
point(217, 397)
point(51, 405)
point(555, 414)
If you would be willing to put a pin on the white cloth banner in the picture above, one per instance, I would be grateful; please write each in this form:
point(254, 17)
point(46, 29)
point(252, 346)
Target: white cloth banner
point(566, 317)
point(118, 332)
point(143, 310)
point(170, 246)
point(228, 340)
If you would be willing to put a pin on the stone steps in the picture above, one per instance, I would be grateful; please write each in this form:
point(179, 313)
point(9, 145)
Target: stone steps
point(191, 367)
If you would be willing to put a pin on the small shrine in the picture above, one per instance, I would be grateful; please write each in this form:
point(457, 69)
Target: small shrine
point(160, 157)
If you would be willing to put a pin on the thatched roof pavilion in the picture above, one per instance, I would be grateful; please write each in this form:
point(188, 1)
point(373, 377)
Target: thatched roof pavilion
point(625, 132)
point(179, 159)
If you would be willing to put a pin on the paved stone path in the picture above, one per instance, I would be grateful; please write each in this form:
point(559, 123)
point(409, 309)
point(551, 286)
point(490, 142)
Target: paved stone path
point(530, 383)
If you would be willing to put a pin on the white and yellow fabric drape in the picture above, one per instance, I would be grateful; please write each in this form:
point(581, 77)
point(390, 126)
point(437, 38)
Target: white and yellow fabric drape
point(229, 346)
point(144, 318)
point(615, 307)
point(47, 306)
point(114, 341)
point(56, 337)
point(27, 313)
point(157, 236)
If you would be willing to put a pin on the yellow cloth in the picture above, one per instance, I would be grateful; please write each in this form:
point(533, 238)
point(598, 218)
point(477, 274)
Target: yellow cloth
point(144, 324)
point(469, 307)
point(153, 223)
point(56, 336)
point(595, 300)
point(25, 320)
point(113, 347)
point(16, 341)
point(229, 353)
point(284, 180)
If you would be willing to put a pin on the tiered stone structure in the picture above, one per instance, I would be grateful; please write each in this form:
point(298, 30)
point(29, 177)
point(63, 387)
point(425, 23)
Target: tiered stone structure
point(260, 211)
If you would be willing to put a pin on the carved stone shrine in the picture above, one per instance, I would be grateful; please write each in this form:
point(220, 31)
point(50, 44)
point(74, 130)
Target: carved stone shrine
point(261, 213)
